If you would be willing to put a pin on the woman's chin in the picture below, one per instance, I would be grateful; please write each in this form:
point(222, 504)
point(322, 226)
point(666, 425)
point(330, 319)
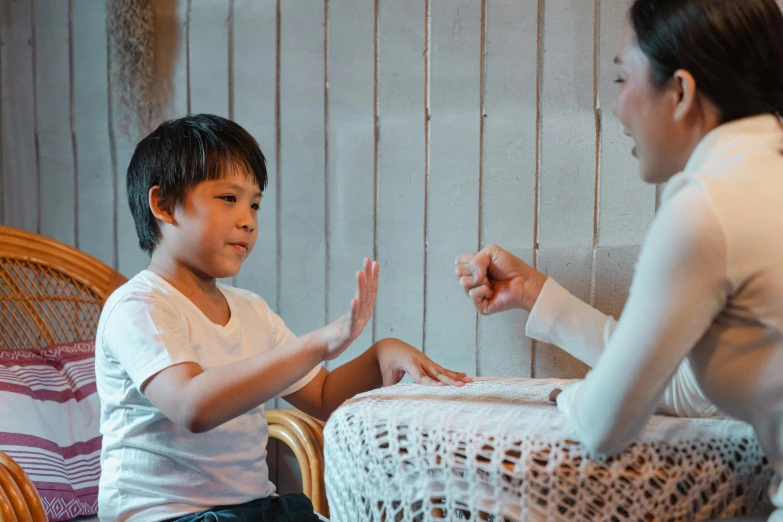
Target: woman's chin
point(648, 173)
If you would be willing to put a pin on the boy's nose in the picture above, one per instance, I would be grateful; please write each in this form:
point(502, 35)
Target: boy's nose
point(246, 222)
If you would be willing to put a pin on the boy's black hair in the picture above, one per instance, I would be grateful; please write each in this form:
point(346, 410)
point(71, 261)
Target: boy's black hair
point(182, 153)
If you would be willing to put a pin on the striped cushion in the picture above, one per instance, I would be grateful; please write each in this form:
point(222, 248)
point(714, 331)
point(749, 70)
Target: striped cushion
point(49, 424)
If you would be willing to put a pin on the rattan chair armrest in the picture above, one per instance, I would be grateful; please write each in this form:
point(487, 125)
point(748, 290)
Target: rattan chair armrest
point(310, 436)
point(19, 492)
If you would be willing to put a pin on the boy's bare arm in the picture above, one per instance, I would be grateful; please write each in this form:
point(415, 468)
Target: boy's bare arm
point(202, 400)
point(383, 364)
point(328, 390)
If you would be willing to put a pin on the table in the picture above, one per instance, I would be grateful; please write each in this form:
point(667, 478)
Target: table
point(497, 449)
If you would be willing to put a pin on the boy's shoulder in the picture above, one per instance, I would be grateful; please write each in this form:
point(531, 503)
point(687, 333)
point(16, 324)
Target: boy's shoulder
point(140, 292)
point(143, 285)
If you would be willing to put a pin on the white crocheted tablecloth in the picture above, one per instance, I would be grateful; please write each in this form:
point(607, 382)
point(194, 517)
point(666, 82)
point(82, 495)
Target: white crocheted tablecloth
point(497, 449)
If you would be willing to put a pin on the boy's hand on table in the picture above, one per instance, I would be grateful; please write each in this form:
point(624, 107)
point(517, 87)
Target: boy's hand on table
point(338, 335)
point(396, 358)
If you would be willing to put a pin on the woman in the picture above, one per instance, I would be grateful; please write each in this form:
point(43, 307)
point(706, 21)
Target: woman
point(701, 94)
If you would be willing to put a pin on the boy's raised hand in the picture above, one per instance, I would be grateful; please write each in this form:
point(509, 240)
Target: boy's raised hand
point(337, 336)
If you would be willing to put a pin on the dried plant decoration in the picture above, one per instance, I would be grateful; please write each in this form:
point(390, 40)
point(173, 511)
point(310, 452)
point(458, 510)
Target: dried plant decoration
point(132, 42)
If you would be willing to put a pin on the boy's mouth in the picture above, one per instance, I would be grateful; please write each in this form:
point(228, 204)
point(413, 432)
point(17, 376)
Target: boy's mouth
point(240, 247)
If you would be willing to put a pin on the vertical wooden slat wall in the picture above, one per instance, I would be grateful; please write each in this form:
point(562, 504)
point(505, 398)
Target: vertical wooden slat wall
point(407, 130)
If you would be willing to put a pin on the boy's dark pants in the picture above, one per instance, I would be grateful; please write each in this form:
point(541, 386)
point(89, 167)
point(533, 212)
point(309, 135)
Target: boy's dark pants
point(295, 507)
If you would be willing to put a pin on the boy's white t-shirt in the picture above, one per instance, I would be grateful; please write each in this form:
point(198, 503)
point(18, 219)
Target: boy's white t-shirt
point(151, 468)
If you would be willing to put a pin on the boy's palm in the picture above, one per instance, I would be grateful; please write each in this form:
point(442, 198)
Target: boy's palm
point(342, 332)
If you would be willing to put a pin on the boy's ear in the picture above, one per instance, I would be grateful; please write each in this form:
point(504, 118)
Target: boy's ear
point(160, 211)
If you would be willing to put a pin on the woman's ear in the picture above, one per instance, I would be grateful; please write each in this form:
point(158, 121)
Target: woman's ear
point(684, 86)
point(160, 211)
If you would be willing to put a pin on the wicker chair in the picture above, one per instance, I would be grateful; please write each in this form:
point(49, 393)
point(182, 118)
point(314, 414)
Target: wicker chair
point(51, 293)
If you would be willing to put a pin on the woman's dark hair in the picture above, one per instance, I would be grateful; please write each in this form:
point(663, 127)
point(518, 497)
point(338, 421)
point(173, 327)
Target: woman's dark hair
point(733, 49)
point(179, 155)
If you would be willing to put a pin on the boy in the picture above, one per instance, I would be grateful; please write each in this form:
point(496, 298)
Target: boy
point(184, 365)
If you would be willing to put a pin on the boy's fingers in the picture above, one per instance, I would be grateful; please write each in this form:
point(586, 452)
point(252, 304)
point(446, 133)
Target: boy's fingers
point(426, 380)
point(444, 377)
point(366, 282)
point(370, 283)
point(457, 376)
point(460, 376)
point(359, 321)
point(419, 374)
point(367, 267)
point(354, 314)
point(360, 286)
point(375, 271)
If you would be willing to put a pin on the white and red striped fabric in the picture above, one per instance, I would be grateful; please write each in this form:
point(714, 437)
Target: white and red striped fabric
point(50, 422)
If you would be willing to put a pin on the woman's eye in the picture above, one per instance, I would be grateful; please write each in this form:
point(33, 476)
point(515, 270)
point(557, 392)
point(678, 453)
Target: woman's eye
point(619, 80)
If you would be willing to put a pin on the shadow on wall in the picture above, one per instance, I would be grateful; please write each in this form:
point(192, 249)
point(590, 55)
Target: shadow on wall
point(145, 39)
point(169, 35)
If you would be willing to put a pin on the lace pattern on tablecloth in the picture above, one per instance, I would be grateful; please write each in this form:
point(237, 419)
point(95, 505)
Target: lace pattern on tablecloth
point(498, 449)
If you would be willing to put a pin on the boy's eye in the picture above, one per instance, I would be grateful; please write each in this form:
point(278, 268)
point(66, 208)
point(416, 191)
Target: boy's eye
point(255, 206)
point(231, 199)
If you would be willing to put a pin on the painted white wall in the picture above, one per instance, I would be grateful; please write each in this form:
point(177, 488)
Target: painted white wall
point(407, 130)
